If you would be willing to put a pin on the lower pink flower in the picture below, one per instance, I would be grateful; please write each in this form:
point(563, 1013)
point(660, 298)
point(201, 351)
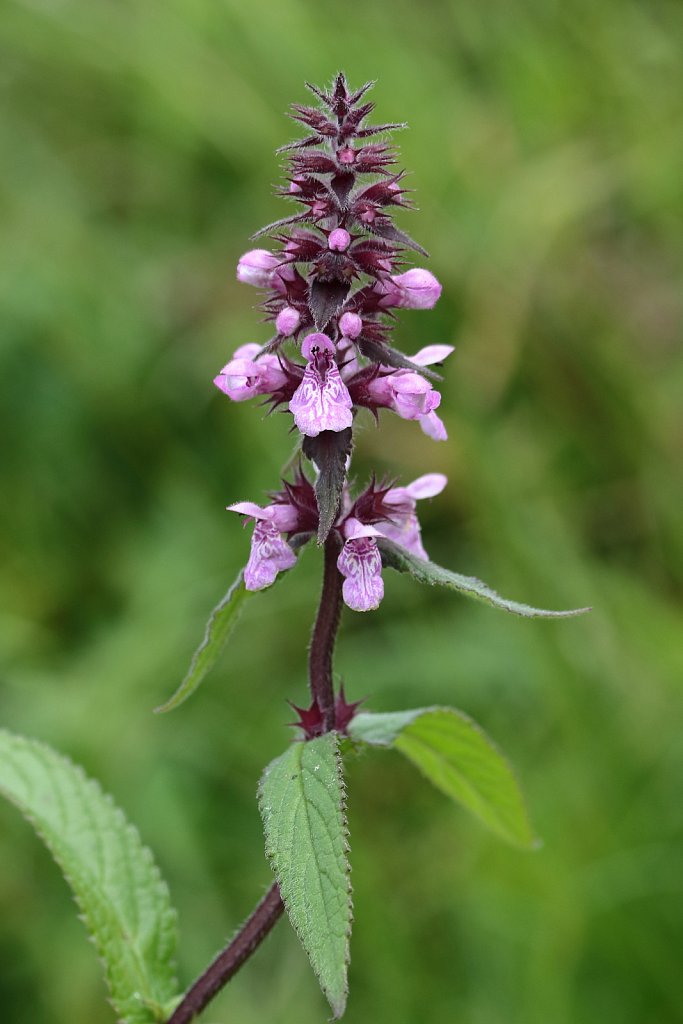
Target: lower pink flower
point(361, 564)
point(270, 553)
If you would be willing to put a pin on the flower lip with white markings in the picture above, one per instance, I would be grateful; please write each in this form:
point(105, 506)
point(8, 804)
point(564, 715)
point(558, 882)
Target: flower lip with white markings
point(322, 401)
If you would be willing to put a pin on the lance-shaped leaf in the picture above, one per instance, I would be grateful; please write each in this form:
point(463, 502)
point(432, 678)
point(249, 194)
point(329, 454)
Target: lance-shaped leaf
point(301, 798)
point(459, 759)
point(396, 557)
point(388, 356)
point(329, 451)
point(295, 218)
point(325, 300)
point(219, 627)
point(123, 901)
point(390, 231)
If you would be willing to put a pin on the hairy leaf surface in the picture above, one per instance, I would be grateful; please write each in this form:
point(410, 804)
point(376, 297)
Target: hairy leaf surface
point(329, 451)
point(123, 900)
point(396, 557)
point(325, 300)
point(302, 799)
point(459, 759)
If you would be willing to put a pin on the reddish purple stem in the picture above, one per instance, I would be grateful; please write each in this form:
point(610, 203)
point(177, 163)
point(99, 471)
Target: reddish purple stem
point(325, 632)
point(248, 939)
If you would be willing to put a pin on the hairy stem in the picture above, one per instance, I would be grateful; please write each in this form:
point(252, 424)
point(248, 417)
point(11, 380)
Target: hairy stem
point(325, 632)
point(248, 939)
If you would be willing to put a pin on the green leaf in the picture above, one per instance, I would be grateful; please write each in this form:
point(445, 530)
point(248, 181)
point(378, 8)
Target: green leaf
point(380, 352)
point(123, 900)
point(302, 803)
point(329, 451)
point(218, 629)
point(459, 759)
point(325, 299)
point(396, 557)
point(388, 230)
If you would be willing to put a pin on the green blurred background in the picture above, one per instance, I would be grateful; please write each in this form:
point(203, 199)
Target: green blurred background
point(546, 148)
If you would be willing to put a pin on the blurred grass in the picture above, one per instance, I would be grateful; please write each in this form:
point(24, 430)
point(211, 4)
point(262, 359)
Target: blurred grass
point(546, 151)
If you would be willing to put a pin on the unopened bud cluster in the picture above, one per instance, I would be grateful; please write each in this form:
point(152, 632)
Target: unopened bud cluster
point(331, 284)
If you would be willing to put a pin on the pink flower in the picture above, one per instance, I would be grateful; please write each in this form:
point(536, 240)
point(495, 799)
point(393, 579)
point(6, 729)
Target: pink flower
point(288, 320)
point(270, 552)
point(248, 374)
point(322, 401)
point(418, 289)
point(351, 325)
point(256, 266)
point(339, 240)
point(361, 564)
point(404, 527)
point(410, 395)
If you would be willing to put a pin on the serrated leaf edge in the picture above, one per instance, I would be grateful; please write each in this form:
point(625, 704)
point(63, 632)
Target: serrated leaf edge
point(170, 914)
point(337, 1008)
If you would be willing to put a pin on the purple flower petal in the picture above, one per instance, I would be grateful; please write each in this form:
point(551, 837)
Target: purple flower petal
point(270, 554)
point(248, 351)
point(406, 532)
point(361, 563)
point(433, 426)
point(431, 354)
point(427, 486)
point(404, 526)
point(322, 401)
point(248, 508)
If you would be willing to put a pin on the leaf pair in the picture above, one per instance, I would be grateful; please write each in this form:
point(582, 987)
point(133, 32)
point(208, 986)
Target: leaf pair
point(125, 904)
point(302, 803)
point(225, 614)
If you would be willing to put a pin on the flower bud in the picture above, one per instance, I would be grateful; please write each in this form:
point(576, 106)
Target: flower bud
point(418, 288)
point(347, 155)
point(350, 324)
point(288, 320)
point(256, 266)
point(339, 240)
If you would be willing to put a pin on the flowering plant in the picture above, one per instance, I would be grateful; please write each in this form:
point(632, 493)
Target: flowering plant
point(331, 286)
